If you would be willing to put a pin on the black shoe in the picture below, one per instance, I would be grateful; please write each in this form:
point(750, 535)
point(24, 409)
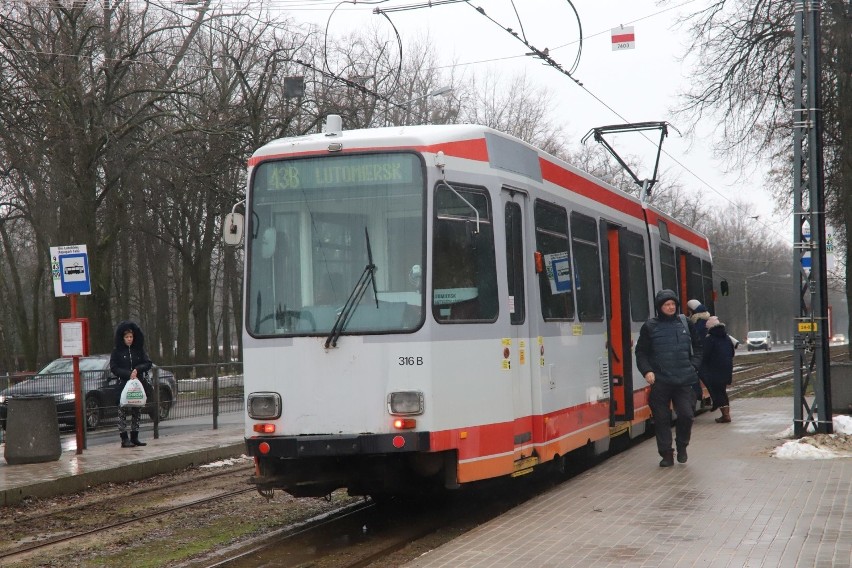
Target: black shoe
point(681, 455)
point(134, 439)
point(126, 443)
point(668, 459)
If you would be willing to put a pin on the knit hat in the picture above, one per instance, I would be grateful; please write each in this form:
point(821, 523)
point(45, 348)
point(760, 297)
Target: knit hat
point(713, 321)
point(692, 304)
point(664, 296)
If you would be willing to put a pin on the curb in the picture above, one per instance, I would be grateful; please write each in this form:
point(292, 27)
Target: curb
point(76, 482)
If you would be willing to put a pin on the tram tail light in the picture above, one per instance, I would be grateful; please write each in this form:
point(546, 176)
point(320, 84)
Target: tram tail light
point(264, 428)
point(405, 423)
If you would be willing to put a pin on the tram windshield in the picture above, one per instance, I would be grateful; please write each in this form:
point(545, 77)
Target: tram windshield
point(312, 226)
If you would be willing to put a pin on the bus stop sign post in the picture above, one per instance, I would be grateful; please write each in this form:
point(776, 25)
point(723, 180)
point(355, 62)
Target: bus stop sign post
point(74, 343)
point(70, 269)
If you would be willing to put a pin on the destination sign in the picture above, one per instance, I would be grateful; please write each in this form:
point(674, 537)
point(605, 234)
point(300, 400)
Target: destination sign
point(337, 171)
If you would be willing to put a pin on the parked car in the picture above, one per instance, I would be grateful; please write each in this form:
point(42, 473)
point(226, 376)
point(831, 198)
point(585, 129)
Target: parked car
point(100, 390)
point(759, 340)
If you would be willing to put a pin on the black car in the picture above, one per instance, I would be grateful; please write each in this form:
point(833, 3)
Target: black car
point(100, 390)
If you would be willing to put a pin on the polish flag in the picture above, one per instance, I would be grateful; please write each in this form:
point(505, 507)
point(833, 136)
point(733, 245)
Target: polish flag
point(623, 38)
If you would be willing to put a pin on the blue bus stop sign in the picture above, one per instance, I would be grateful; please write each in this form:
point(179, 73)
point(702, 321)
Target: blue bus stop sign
point(74, 273)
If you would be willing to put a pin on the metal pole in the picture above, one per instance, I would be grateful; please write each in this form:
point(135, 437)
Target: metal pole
point(79, 401)
point(810, 355)
point(748, 326)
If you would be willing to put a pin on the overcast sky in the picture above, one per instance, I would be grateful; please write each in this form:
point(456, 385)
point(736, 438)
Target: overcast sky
point(634, 85)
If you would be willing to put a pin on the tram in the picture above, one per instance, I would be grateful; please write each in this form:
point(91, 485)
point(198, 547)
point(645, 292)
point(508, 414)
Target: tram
point(429, 306)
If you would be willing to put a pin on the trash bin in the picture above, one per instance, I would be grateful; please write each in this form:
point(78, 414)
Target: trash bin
point(841, 387)
point(32, 430)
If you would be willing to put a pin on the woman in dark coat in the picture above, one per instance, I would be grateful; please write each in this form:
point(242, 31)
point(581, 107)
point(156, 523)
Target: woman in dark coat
point(717, 366)
point(129, 361)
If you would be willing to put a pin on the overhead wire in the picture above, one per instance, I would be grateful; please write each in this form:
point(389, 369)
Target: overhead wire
point(544, 54)
point(398, 74)
point(580, 84)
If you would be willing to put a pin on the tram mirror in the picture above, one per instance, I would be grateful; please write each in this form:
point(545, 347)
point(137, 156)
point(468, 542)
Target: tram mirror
point(723, 286)
point(267, 243)
point(472, 234)
point(232, 229)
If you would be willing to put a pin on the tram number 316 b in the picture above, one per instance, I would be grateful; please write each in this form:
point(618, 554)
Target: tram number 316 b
point(410, 361)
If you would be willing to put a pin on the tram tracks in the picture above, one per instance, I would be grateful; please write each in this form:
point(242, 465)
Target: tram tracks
point(103, 516)
point(767, 373)
point(382, 535)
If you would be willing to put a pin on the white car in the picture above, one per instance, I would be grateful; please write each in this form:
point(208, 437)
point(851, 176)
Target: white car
point(759, 340)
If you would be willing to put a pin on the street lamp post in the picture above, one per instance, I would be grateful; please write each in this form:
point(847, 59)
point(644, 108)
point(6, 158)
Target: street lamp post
point(748, 328)
point(406, 106)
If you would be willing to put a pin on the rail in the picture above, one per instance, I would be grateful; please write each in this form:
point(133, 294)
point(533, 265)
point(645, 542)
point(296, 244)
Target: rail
point(178, 391)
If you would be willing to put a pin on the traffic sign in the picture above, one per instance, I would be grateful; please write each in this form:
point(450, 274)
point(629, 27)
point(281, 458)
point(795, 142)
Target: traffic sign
point(806, 262)
point(69, 266)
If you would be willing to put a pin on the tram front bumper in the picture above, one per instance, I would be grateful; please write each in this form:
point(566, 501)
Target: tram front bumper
point(341, 445)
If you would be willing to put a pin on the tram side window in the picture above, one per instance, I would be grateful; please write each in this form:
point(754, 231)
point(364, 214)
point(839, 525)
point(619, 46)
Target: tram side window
point(555, 282)
point(694, 282)
point(515, 264)
point(587, 267)
point(707, 273)
point(668, 268)
point(639, 310)
point(464, 277)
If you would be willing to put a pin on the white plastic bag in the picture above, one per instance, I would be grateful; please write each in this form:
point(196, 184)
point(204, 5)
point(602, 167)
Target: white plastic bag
point(133, 394)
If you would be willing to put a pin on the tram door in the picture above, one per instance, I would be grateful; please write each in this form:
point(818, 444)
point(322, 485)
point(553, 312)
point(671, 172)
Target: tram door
point(517, 345)
point(618, 324)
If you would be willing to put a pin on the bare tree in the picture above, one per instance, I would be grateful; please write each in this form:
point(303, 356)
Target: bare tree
point(744, 80)
point(516, 107)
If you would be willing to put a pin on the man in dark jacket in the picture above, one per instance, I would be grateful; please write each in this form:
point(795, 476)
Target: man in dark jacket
point(665, 355)
point(129, 361)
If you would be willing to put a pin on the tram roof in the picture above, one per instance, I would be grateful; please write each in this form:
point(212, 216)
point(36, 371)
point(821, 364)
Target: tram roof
point(428, 137)
point(382, 137)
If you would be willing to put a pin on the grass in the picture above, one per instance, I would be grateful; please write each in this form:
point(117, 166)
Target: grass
point(785, 390)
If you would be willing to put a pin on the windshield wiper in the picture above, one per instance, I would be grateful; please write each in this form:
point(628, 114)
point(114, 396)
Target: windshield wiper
point(348, 310)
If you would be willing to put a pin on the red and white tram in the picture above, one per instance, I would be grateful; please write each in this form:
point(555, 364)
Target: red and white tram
point(437, 305)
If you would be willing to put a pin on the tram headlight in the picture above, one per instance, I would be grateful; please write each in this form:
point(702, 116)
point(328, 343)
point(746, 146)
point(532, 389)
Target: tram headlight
point(264, 405)
point(405, 403)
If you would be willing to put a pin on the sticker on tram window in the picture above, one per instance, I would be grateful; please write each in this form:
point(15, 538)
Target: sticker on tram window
point(558, 268)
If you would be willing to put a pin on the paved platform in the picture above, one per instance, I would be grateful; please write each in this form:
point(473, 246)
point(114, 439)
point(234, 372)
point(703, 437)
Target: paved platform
point(732, 505)
point(108, 462)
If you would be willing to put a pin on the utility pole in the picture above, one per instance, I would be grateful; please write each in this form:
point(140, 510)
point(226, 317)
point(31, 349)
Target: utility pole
point(811, 355)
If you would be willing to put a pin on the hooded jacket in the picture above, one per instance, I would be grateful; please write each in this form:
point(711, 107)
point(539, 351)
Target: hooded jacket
point(699, 317)
point(717, 360)
point(666, 345)
point(125, 358)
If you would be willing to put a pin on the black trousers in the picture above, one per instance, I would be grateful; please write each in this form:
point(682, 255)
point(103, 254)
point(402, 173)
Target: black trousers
point(663, 397)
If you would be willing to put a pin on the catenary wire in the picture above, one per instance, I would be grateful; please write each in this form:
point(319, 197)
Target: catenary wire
point(322, 5)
